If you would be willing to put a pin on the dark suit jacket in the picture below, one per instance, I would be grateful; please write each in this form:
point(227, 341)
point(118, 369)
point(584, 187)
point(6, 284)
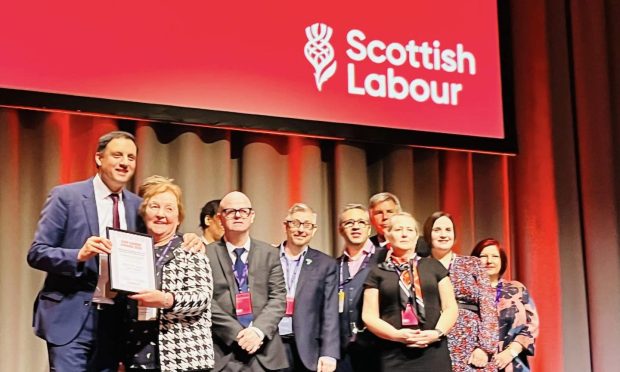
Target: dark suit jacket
point(68, 218)
point(268, 293)
point(354, 300)
point(315, 317)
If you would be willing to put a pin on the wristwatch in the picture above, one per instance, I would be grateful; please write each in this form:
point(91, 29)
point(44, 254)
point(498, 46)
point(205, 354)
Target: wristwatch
point(439, 332)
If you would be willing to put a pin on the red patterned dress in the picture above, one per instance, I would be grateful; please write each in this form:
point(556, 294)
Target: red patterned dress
point(473, 329)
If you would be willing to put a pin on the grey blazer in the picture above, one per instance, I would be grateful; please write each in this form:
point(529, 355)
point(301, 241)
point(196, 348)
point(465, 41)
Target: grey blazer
point(268, 292)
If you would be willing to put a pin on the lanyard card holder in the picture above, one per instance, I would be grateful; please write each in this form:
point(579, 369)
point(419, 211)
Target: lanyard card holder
point(243, 303)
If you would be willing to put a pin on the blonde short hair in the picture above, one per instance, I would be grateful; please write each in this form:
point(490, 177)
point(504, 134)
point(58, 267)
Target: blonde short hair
point(403, 214)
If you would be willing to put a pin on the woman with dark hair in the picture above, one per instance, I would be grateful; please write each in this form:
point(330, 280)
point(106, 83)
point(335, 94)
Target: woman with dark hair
point(474, 337)
point(409, 303)
point(518, 319)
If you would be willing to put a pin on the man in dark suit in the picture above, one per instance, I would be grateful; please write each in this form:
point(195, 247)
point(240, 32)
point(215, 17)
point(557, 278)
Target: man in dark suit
point(358, 349)
point(381, 207)
point(69, 239)
point(249, 295)
point(310, 325)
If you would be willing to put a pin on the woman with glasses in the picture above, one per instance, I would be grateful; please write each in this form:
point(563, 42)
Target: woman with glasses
point(169, 329)
point(518, 318)
point(409, 303)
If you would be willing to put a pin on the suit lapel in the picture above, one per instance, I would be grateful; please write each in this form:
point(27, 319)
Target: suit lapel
point(226, 265)
point(130, 208)
point(90, 208)
point(306, 268)
point(251, 256)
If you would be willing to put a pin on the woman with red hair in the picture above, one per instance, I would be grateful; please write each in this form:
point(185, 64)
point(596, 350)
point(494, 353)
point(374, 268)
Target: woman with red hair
point(518, 319)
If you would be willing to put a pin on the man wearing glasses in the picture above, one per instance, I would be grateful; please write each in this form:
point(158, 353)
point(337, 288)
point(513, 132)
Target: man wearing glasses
point(249, 294)
point(358, 352)
point(309, 328)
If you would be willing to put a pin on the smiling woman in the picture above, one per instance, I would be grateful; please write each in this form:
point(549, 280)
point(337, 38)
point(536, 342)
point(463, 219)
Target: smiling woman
point(183, 297)
point(474, 336)
point(518, 318)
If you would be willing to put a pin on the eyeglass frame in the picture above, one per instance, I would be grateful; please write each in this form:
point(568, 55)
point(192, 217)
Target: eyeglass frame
point(231, 213)
point(306, 224)
point(353, 223)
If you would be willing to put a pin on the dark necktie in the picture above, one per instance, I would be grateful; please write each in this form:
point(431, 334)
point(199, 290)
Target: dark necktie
point(241, 276)
point(116, 221)
point(240, 271)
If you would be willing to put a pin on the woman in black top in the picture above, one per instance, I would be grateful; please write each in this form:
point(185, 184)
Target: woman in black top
point(409, 303)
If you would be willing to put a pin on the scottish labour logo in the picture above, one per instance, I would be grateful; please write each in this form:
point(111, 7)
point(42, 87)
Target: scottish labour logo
point(320, 53)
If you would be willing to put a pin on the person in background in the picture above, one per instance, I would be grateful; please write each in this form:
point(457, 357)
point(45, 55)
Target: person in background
point(212, 229)
point(381, 207)
point(474, 337)
point(179, 337)
point(309, 328)
point(357, 344)
point(518, 318)
point(409, 303)
point(249, 293)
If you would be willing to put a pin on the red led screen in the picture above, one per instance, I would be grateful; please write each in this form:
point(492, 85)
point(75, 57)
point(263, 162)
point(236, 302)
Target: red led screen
point(428, 66)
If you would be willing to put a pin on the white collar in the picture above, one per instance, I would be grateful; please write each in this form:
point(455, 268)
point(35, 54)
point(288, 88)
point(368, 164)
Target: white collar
point(102, 191)
point(231, 248)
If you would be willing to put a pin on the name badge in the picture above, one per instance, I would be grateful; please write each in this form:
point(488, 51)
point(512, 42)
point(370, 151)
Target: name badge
point(408, 317)
point(243, 302)
point(290, 306)
point(341, 301)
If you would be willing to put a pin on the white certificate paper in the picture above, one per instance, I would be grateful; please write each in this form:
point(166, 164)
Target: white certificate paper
point(132, 267)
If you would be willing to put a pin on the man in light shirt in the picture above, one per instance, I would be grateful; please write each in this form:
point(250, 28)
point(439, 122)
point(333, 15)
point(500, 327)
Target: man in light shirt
point(74, 312)
point(358, 349)
point(309, 328)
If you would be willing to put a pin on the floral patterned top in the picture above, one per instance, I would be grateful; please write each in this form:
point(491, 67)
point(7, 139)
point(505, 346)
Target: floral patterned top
point(473, 329)
point(518, 321)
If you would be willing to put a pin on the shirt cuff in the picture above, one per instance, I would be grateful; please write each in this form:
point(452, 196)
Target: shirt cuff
point(260, 333)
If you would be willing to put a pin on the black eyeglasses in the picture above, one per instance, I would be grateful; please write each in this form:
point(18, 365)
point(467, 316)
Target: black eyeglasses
point(230, 213)
point(348, 224)
point(295, 224)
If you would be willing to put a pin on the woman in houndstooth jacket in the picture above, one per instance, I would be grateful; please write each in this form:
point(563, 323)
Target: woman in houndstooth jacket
point(179, 337)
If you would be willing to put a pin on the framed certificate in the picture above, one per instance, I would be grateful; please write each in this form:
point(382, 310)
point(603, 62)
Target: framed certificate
point(132, 266)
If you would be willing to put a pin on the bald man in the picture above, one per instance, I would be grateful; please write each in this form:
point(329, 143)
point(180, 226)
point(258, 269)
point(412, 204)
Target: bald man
point(249, 294)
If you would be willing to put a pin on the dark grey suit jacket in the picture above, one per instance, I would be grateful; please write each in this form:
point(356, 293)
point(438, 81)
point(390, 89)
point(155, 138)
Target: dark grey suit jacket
point(268, 292)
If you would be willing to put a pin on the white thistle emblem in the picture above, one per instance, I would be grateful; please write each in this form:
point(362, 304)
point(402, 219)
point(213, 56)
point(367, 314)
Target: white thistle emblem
point(320, 53)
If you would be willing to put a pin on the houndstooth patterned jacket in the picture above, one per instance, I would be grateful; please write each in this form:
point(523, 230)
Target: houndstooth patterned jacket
point(185, 341)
